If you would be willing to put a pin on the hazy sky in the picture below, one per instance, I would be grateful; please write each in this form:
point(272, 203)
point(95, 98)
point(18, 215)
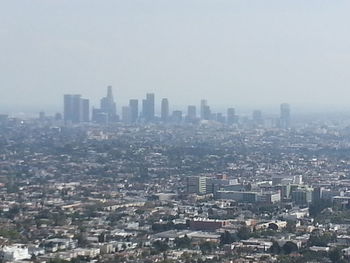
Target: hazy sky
point(232, 52)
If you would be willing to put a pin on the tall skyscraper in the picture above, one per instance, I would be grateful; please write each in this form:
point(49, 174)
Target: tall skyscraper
point(231, 116)
point(151, 106)
point(257, 117)
point(165, 110)
point(177, 116)
point(285, 116)
point(126, 114)
point(219, 117)
point(134, 110)
point(191, 113)
point(108, 105)
point(148, 107)
point(205, 110)
point(99, 116)
point(86, 110)
point(203, 105)
point(74, 107)
point(144, 109)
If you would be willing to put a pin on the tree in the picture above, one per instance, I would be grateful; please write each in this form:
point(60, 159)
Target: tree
point(82, 240)
point(226, 238)
point(10, 234)
point(291, 227)
point(317, 207)
point(243, 233)
point(12, 186)
point(59, 219)
point(13, 211)
point(186, 257)
point(102, 237)
point(207, 246)
point(335, 255)
point(286, 259)
point(289, 247)
point(160, 246)
point(124, 246)
point(275, 248)
point(321, 240)
point(184, 242)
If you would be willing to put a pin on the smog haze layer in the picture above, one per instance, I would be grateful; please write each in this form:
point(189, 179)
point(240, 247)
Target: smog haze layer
point(231, 52)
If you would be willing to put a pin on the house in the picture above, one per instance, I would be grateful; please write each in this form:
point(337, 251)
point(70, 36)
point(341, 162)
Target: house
point(14, 252)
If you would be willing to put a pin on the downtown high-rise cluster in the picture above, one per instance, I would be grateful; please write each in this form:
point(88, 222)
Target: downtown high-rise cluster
point(77, 110)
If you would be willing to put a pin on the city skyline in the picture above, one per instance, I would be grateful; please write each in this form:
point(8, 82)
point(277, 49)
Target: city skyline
point(117, 106)
point(242, 108)
point(77, 110)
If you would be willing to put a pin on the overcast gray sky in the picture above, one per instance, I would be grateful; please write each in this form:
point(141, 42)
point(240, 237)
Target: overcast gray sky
point(232, 52)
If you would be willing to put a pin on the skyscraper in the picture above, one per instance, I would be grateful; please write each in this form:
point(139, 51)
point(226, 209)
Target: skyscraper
point(148, 107)
point(205, 110)
point(191, 113)
point(257, 117)
point(203, 105)
point(73, 108)
point(231, 116)
point(108, 105)
point(86, 110)
point(219, 117)
point(285, 116)
point(126, 114)
point(177, 116)
point(144, 109)
point(99, 116)
point(165, 110)
point(151, 106)
point(134, 110)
